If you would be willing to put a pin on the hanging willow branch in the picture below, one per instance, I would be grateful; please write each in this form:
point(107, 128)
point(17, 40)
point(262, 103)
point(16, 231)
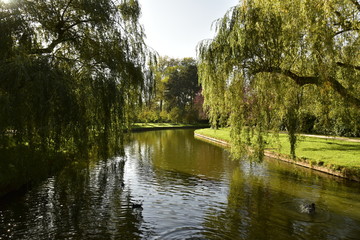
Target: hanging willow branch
point(259, 45)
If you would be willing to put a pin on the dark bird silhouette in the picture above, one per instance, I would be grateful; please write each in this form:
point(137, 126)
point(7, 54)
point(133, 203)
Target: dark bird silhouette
point(136, 205)
point(308, 208)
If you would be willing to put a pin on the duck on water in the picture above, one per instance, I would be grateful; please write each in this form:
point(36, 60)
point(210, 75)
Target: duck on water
point(307, 208)
point(136, 205)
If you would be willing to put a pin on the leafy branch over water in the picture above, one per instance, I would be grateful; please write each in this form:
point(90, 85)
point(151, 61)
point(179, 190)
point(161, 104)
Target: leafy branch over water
point(71, 71)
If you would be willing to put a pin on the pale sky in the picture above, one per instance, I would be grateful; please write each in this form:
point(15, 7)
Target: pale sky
point(175, 27)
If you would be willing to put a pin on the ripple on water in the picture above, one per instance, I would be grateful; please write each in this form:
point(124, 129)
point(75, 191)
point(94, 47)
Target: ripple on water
point(294, 210)
point(193, 233)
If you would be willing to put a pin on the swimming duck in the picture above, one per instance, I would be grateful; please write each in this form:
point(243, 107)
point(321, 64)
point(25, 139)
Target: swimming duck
point(136, 205)
point(308, 208)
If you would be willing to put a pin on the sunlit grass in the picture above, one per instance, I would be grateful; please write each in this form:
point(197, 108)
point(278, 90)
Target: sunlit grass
point(221, 134)
point(324, 151)
point(317, 150)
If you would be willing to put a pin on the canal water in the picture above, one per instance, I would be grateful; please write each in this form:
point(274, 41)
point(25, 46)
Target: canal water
point(187, 189)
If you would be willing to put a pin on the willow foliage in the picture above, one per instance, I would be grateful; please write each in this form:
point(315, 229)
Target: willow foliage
point(70, 71)
point(273, 60)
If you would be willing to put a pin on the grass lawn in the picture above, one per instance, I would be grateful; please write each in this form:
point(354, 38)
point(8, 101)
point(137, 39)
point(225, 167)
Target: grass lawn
point(320, 151)
point(324, 151)
point(221, 134)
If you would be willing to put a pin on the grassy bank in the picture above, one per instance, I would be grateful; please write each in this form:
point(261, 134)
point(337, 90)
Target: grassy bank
point(335, 155)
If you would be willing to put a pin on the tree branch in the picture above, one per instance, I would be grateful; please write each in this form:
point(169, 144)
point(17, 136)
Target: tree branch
point(66, 8)
point(76, 23)
point(346, 25)
point(357, 4)
point(338, 87)
point(346, 30)
point(50, 48)
point(60, 39)
point(347, 65)
point(300, 80)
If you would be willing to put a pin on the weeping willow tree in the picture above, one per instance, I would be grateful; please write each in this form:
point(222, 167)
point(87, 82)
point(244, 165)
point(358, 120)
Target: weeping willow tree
point(273, 60)
point(70, 72)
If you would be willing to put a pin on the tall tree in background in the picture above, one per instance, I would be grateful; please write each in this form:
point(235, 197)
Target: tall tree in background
point(182, 84)
point(70, 70)
point(272, 59)
point(163, 69)
point(176, 85)
point(180, 91)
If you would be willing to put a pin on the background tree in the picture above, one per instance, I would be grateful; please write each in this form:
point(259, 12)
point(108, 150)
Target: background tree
point(181, 89)
point(164, 68)
point(182, 84)
point(271, 60)
point(176, 85)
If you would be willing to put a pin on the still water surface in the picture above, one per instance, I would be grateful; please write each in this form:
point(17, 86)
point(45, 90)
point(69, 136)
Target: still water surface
point(189, 189)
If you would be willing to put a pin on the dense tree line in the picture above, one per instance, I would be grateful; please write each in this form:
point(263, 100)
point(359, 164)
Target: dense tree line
point(289, 65)
point(174, 93)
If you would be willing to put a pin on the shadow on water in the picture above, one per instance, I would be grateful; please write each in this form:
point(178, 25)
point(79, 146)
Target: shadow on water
point(23, 165)
point(82, 202)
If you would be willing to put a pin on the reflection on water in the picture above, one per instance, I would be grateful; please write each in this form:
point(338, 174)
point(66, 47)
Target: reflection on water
point(189, 190)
